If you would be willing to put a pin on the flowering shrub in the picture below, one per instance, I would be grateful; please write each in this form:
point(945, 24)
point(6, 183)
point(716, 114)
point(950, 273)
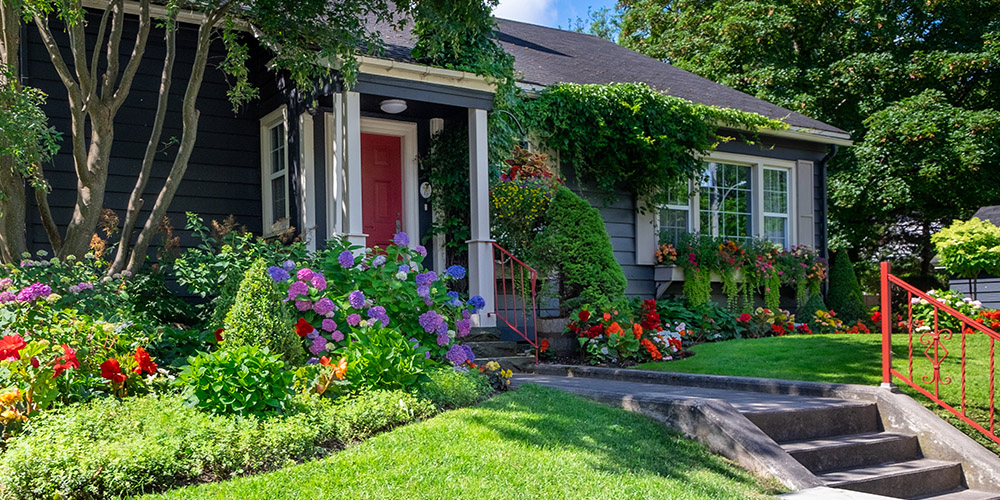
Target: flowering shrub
point(519, 200)
point(708, 322)
point(803, 268)
point(828, 322)
point(499, 378)
point(666, 254)
point(764, 322)
point(613, 334)
point(923, 311)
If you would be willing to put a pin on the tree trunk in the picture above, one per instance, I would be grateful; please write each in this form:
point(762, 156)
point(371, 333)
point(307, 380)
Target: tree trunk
point(12, 191)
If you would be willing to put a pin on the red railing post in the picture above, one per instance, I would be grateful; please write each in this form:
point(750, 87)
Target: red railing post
point(886, 309)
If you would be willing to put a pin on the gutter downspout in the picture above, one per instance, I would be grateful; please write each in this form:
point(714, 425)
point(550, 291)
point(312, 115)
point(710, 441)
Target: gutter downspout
point(826, 211)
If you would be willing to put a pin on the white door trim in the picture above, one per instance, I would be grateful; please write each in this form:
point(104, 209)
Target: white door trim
point(407, 132)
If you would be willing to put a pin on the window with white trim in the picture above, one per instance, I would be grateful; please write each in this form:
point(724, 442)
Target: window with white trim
point(274, 170)
point(776, 206)
point(738, 197)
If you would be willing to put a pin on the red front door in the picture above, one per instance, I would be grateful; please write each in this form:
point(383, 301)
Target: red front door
point(381, 187)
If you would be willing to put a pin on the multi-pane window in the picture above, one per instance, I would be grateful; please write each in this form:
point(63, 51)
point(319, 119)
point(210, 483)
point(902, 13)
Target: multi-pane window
point(725, 207)
point(274, 171)
point(776, 206)
point(733, 200)
point(675, 216)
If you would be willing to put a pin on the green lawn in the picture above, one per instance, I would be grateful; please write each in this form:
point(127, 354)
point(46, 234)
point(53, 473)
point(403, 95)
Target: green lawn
point(531, 443)
point(849, 359)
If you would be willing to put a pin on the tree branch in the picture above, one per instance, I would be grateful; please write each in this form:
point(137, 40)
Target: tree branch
point(96, 56)
point(78, 47)
point(114, 44)
point(55, 56)
point(189, 117)
point(45, 212)
point(136, 58)
point(135, 201)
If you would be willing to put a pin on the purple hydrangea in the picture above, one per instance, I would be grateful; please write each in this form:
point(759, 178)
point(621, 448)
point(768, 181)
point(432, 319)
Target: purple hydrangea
point(477, 302)
point(377, 313)
point(323, 306)
point(428, 302)
point(463, 327)
point(319, 282)
point(337, 336)
point(430, 321)
point(288, 265)
point(6, 283)
point(318, 345)
point(346, 259)
point(378, 261)
point(313, 334)
point(425, 279)
point(328, 325)
point(296, 289)
point(466, 314)
point(85, 285)
point(278, 274)
point(456, 272)
point(34, 291)
point(312, 361)
point(421, 250)
point(402, 239)
point(303, 305)
point(73, 289)
point(460, 354)
point(443, 339)
point(356, 299)
point(423, 291)
point(354, 319)
point(404, 268)
point(305, 274)
point(7, 296)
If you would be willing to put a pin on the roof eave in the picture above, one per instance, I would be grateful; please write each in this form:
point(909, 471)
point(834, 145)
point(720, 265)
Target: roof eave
point(812, 135)
point(418, 72)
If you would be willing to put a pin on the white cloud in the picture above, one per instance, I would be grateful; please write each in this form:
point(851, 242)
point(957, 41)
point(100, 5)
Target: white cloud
point(530, 11)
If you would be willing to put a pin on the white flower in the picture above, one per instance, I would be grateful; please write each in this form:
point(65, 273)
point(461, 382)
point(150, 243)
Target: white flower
point(604, 350)
point(42, 253)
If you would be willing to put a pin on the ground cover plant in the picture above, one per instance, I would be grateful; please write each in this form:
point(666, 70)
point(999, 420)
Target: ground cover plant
point(848, 359)
point(509, 444)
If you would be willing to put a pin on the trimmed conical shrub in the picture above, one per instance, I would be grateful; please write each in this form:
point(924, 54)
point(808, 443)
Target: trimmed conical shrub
point(576, 244)
point(844, 295)
point(260, 318)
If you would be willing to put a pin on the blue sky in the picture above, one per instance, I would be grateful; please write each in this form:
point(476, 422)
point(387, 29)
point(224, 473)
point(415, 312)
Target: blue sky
point(552, 13)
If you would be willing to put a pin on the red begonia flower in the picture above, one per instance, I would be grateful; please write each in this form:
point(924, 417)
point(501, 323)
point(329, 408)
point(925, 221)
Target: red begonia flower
point(10, 347)
point(303, 327)
point(112, 370)
point(143, 361)
point(66, 361)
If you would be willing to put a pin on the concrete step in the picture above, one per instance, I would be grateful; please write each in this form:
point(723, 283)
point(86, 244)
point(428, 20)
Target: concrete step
point(854, 450)
point(907, 479)
point(497, 349)
point(522, 364)
point(794, 423)
point(482, 335)
point(963, 495)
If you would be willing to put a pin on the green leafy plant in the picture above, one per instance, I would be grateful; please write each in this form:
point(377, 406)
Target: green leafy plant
point(377, 411)
point(629, 136)
point(446, 166)
point(260, 318)
point(575, 243)
point(385, 359)
point(968, 248)
point(244, 380)
point(449, 388)
point(844, 295)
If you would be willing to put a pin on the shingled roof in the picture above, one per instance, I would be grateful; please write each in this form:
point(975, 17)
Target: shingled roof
point(544, 56)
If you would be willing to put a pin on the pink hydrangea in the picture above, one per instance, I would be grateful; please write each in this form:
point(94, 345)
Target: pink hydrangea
point(303, 305)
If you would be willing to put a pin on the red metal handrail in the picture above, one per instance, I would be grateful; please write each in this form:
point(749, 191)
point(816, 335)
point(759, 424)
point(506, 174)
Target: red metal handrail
point(516, 317)
point(933, 352)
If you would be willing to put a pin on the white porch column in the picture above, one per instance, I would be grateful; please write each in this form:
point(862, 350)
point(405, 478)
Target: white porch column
point(352, 154)
point(307, 180)
point(436, 126)
point(481, 278)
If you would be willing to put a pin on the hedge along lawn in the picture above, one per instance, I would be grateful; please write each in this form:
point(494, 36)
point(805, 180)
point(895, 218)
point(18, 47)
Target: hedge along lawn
point(850, 359)
point(531, 443)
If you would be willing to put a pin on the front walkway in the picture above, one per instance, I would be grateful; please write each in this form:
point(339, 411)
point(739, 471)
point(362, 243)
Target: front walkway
point(811, 443)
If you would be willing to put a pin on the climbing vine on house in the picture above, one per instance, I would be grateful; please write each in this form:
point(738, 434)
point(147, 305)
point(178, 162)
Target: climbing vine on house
point(629, 136)
point(446, 167)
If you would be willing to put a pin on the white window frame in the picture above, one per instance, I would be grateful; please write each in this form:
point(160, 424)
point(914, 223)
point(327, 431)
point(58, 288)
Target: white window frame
point(757, 166)
point(788, 203)
point(268, 122)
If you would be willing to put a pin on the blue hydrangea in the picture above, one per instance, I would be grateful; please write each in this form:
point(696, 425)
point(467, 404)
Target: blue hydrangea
point(346, 259)
point(288, 265)
point(356, 299)
point(402, 239)
point(456, 272)
point(378, 261)
point(453, 299)
point(278, 274)
point(425, 279)
point(477, 302)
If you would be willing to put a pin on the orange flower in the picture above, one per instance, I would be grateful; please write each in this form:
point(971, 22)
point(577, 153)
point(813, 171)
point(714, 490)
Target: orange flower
point(607, 317)
point(325, 361)
point(615, 328)
point(341, 369)
point(544, 345)
point(637, 330)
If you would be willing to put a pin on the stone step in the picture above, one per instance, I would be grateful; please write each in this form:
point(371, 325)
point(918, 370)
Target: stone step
point(522, 364)
point(963, 495)
point(494, 349)
point(482, 335)
point(907, 479)
point(801, 423)
point(854, 450)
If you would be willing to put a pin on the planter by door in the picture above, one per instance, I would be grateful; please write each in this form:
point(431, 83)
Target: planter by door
point(382, 187)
